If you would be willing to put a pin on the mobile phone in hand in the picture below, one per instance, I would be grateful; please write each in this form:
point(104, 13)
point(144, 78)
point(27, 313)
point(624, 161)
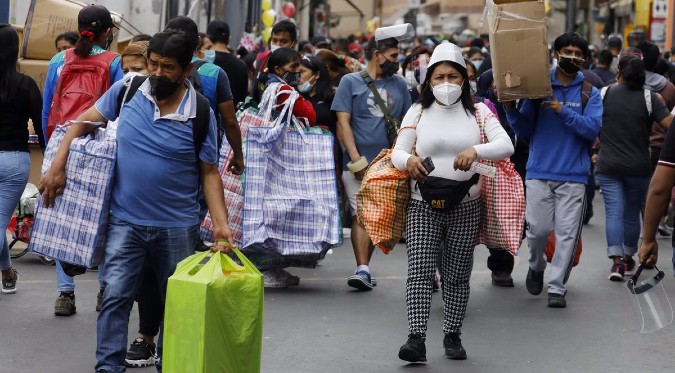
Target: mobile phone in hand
point(428, 164)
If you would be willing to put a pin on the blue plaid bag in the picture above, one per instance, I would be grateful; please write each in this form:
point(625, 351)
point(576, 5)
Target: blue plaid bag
point(291, 209)
point(74, 229)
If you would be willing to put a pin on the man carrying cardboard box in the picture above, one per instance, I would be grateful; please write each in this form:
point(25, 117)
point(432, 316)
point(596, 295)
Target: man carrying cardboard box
point(561, 130)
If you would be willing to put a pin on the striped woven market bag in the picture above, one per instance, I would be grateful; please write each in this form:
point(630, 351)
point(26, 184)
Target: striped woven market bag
point(502, 204)
point(291, 213)
point(382, 201)
point(74, 229)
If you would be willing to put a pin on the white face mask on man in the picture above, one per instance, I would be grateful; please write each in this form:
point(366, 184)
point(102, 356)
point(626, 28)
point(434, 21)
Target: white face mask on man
point(274, 47)
point(447, 93)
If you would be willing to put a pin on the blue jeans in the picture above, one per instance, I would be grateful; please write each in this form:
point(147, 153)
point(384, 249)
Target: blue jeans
point(624, 197)
point(67, 283)
point(128, 246)
point(14, 171)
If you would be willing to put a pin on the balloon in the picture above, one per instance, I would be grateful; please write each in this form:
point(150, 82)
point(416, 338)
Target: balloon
point(268, 17)
point(266, 4)
point(267, 34)
point(289, 10)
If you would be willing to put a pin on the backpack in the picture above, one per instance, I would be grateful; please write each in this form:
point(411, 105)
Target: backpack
point(194, 76)
point(81, 82)
point(200, 124)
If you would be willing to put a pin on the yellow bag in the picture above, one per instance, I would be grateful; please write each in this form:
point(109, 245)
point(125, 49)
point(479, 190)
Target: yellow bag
point(213, 320)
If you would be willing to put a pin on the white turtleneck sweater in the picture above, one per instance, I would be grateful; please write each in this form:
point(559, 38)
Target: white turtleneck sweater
point(442, 133)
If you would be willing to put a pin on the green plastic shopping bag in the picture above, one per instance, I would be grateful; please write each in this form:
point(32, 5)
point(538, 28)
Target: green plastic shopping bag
point(213, 320)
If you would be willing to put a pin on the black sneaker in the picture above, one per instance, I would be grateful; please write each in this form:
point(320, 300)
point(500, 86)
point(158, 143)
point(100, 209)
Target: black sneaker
point(99, 299)
point(534, 281)
point(556, 300)
point(453, 347)
point(9, 282)
point(141, 354)
point(361, 280)
point(617, 272)
point(502, 279)
point(65, 304)
point(414, 350)
point(629, 267)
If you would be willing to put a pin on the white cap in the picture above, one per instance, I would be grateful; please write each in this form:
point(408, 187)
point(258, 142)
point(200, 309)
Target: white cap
point(398, 32)
point(447, 51)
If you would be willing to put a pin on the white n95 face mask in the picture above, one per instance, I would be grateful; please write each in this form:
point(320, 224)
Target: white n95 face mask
point(447, 93)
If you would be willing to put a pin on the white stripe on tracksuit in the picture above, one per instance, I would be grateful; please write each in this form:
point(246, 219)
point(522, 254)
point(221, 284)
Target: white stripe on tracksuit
point(554, 206)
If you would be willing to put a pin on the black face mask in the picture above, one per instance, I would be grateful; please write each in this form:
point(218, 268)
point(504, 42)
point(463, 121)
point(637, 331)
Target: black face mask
point(292, 79)
point(569, 65)
point(162, 87)
point(389, 68)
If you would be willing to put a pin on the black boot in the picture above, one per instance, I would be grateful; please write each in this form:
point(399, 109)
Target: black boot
point(453, 347)
point(414, 350)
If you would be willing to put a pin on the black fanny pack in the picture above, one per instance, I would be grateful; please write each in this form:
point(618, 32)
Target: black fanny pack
point(445, 194)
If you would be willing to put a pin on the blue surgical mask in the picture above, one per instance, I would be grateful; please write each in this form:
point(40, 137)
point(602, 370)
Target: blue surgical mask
point(306, 87)
point(210, 55)
point(477, 63)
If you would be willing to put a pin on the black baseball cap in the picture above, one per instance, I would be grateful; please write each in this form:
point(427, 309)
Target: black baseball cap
point(94, 16)
point(320, 40)
point(218, 28)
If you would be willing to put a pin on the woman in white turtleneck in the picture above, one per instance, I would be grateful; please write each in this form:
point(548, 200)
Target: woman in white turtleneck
point(443, 126)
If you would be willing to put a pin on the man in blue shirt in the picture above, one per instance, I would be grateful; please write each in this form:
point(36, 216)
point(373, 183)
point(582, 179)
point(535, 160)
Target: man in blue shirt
point(154, 210)
point(561, 131)
point(362, 129)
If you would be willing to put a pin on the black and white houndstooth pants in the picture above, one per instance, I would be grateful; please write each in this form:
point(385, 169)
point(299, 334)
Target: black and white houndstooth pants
point(453, 232)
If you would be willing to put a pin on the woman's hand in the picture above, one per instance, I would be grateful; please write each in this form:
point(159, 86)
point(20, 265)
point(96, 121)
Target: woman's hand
point(416, 169)
point(464, 159)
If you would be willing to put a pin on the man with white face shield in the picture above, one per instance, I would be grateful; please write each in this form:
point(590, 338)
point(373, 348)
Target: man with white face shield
point(443, 129)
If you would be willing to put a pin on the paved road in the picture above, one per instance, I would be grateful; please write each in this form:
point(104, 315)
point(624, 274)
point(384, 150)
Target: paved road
point(322, 326)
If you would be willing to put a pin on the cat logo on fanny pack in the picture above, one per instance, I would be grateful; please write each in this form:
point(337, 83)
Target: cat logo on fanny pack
point(438, 204)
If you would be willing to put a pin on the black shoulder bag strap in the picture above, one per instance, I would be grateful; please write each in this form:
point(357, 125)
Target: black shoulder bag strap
point(392, 123)
point(200, 125)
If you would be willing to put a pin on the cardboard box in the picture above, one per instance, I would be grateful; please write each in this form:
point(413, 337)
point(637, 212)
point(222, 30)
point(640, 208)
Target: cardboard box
point(36, 69)
point(519, 50)
point(49, 18)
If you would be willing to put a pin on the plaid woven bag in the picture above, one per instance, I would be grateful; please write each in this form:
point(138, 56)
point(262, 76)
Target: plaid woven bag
point(382, 201)
point(248, 114)
point(74, 229)
point(291, 213)
point(502, 203)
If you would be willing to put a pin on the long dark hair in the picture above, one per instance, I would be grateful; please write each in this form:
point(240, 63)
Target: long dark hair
point(279, 58)
point(633, 72)
point(324, 90)
point(427, 95)
point(9, 50)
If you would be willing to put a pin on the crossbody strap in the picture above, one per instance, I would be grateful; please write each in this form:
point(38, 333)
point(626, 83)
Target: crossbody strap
point(392, 123)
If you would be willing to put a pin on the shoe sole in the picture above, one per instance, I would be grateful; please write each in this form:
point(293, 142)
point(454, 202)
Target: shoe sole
point(358, 283)
point(502, 284)
point(65, 312)
point(557, 305)
point(615, 277)
point(9, 291)
point(456, 357)
point(411, 356)
point(140, 363)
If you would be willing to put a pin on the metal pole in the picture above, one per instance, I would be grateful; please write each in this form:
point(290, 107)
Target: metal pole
point(4, 11)
point(571, 15)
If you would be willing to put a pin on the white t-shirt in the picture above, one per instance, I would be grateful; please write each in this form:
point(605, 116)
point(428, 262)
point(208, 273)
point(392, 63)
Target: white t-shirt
point(442, 133)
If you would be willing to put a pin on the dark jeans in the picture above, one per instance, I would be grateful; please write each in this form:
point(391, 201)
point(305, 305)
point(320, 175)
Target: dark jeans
point(150, 305)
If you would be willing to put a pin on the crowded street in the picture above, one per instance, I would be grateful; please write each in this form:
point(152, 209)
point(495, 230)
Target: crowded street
point(323, 326)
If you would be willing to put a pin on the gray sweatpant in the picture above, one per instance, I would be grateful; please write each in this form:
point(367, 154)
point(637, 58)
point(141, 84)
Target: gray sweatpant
point(554, 206)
